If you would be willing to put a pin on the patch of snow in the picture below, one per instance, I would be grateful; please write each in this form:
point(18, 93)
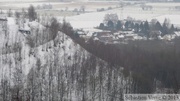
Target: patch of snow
point(11, 21)
point(177, 33)
point(96, 38)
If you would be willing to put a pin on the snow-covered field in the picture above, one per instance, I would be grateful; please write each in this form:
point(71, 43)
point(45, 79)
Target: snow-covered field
point(90, 20)
point(160, 11)
point(27, 4)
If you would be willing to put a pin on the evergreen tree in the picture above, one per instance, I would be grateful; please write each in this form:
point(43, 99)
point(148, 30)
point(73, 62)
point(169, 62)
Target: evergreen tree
point(119, 25)
point(136, 27)
point(141, 27)
point(101, 26)
point(132, 25)
point(158, 26)
point(146, 28)
point(165, 29)
point(110, 25)
point(126, 24)
point(172, 29)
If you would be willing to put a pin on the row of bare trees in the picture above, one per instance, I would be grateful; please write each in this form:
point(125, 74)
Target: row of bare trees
point(80, 76)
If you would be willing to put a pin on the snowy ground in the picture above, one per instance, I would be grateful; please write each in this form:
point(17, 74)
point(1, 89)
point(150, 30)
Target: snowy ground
point(174, 19)
point(90, 20)
point(159, 12)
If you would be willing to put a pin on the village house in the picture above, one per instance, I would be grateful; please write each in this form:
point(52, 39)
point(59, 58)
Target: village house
point(155, 34)
point(119, 39)
point(81, 33)
point(125, 32)
point(106, 37)
point(129, 37)
point(100, 34)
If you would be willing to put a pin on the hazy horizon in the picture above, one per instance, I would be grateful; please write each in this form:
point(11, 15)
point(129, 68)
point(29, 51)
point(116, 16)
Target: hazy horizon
point(20, 0)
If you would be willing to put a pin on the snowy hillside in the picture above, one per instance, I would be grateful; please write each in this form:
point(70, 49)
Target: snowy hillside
point(58, 69)
point(13, 36)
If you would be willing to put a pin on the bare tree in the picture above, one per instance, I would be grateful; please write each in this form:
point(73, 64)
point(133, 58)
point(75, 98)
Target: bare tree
point(111, 17)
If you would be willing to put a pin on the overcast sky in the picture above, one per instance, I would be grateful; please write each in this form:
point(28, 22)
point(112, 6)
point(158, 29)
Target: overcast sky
point(19, 0)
